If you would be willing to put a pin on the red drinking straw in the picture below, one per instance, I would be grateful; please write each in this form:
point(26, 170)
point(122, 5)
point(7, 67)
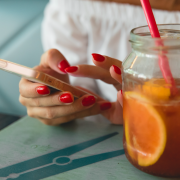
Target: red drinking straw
point(163, 60)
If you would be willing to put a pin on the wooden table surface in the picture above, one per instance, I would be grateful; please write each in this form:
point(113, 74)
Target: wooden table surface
point(80, 150)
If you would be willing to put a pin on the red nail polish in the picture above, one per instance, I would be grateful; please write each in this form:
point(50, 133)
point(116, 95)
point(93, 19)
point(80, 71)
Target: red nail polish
point(121, 91)
point(71, 69)
point(63, 65)
point(42, 90)
point(105, 106)
point(117, 69)
point(66, 98)
point(98, 57)
point(89, 100)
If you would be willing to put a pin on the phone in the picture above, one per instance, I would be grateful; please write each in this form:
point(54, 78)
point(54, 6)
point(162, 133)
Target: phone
point(40, 77)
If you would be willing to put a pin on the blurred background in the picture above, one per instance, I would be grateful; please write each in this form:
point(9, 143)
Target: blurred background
point(20, 42)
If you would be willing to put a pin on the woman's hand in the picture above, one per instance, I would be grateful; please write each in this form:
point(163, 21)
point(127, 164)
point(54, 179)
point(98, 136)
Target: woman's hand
point(108, 70)
point(60, 107)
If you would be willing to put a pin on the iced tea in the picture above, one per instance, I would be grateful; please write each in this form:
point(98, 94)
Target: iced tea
point(152, 128)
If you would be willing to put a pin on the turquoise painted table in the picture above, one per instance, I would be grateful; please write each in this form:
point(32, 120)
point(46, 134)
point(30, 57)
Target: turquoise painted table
point(80, 150)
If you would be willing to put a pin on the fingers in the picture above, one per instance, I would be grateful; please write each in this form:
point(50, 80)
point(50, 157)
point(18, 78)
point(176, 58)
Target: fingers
point(105, 62)
point(107, 69)
point(116, 73)
point(91, 72)
point(55, 60)
point(54, 112)
point(110, 64)
point(48, 117)
point(60, 98)
point(114, 114)
point(29, 89)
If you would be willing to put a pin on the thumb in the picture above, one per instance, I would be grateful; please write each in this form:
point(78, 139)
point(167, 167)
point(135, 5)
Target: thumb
point(53, 59)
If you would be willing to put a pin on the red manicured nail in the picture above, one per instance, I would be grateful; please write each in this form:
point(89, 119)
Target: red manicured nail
point(71, 69)
point(121, 92)
point(89, 100)
point(42, 90)
point(98, 57)
point(63, 65)
point(105, 106)
point(66, 98)
point(117, 70)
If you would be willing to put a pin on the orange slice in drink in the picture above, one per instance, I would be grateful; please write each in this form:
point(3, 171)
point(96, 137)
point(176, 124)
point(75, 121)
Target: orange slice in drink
point(145, 131)
point(157, 88)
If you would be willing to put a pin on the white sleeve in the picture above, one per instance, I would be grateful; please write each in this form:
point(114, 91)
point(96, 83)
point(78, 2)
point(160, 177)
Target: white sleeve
point(66, 32)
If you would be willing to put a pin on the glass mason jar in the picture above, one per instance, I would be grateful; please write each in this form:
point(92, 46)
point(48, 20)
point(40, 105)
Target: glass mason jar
point(151, 112)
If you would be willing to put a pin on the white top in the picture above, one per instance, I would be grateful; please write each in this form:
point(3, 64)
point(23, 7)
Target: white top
point(78, 28)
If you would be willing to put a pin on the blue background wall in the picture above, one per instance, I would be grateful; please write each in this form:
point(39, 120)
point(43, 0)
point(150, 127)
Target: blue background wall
point(20, 42)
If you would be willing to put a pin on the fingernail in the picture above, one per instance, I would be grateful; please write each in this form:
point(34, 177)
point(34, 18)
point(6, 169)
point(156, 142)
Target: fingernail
point(121, 92)
point(105, 106)
point(42, 90)
point(98, 57)
point(89, 100)
point(71, 69)
point(117, 69)
point(63, 65)
point(66, 98)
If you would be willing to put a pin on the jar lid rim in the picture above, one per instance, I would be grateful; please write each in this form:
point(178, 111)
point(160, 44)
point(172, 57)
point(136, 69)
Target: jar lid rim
point(170, 35)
